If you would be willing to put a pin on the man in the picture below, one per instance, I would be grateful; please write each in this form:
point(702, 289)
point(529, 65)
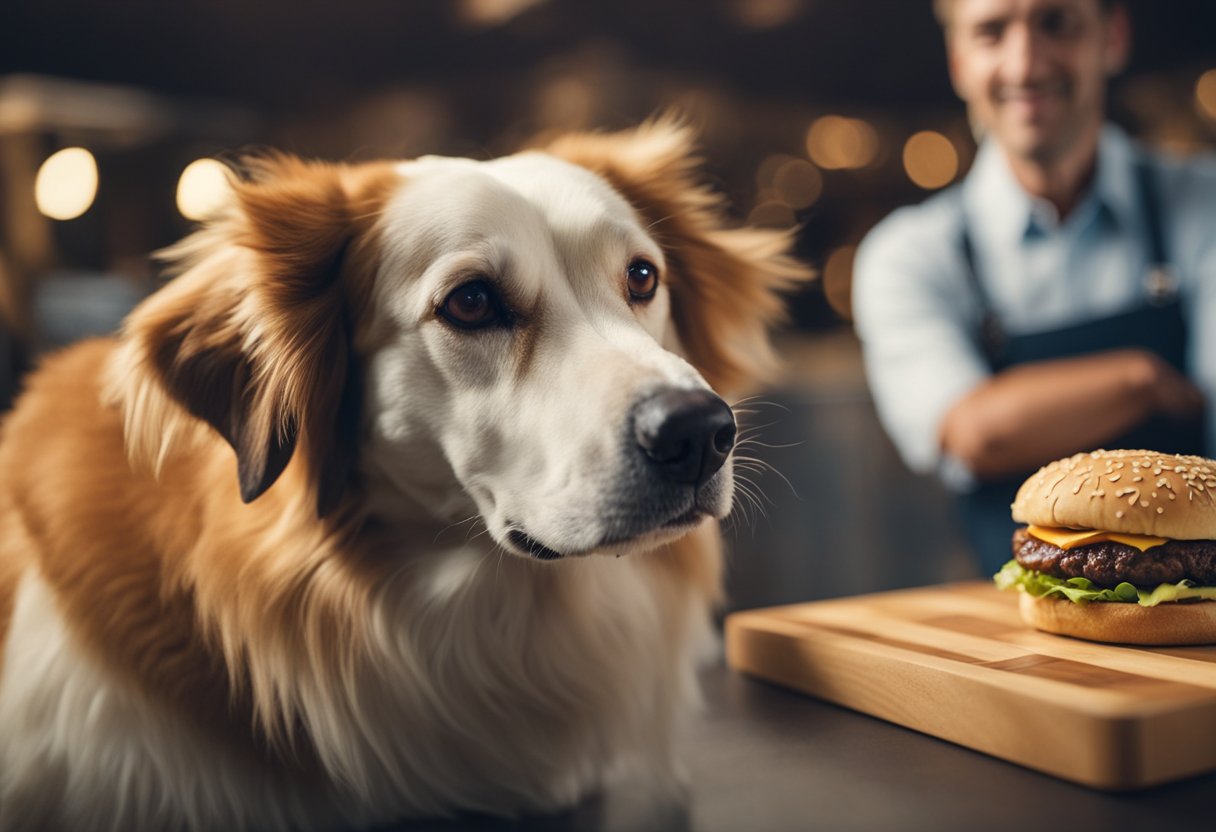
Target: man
point(1063, 297)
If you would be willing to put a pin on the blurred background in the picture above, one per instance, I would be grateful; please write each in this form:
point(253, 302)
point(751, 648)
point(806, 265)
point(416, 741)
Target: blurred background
point(818, 114)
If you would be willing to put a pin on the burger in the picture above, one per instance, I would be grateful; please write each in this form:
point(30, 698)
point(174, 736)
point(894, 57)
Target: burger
point(1119, 546)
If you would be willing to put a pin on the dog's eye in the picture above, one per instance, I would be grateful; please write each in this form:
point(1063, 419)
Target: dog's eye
point(473, 305)
point(643, 279)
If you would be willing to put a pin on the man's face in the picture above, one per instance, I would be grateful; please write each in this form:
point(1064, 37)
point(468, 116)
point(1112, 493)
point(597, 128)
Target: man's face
point(1034, 72)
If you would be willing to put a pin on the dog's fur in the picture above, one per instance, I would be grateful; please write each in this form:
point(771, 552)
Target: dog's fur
point(335, 625)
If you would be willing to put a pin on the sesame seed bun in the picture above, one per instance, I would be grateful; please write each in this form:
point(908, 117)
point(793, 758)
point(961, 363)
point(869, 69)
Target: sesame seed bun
point(1168, 623)
point(1137, 492)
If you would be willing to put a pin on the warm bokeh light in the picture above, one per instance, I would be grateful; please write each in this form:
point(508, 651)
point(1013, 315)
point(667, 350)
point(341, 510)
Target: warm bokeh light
point(769, 167)
point(798, 183)
point(202, 189)
point(66, 184)
point(772, 214)
point(566, 103)
point(838, 280)
point(1205, 94)
point(840, 143)
point(930, 160)
point(491, 13)
point(766, 14)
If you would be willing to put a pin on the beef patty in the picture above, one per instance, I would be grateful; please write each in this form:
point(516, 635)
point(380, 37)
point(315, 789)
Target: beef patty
point(1108, 563)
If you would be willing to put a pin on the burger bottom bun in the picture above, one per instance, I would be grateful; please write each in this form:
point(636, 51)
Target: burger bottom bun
point(1121, 623)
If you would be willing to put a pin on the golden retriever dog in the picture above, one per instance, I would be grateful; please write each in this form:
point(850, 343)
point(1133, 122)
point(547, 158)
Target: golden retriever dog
point(399, 500)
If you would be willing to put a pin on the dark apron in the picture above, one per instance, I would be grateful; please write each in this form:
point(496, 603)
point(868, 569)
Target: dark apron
point(1158, 325)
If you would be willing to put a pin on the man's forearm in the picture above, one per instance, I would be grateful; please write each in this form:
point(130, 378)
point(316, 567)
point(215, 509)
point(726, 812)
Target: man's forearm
point(1033, 413)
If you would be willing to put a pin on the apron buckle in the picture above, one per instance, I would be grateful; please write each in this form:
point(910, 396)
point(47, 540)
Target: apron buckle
point(1160, 284)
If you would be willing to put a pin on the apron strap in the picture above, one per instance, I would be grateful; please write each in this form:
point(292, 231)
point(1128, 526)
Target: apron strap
point(1159, 283)
point(991, 334)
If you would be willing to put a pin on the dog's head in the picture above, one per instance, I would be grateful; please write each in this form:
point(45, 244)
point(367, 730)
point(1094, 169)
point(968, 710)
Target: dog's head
point(534, 340)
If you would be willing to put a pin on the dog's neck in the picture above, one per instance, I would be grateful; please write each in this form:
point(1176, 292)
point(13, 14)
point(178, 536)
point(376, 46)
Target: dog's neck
point(422, 508)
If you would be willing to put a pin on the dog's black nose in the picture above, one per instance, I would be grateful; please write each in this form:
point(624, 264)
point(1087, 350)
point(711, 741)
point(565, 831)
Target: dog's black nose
point(686, 433)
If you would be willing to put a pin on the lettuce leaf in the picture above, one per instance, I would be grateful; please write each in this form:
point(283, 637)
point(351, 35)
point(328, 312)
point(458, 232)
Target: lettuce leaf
point(1082, 590)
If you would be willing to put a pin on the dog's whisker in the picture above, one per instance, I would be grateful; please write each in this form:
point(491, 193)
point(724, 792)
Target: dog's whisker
point(774, 470)
point(753, 430)
point(773, 445)
point(481, 533)
point(739, 513)
point(752, 407)
point(758, 507)
point(468, 532)
point(659, 222)
point(502, 553)
point(757, 401)
point(753, 484)
point(755, 408)
point(454, 525)
point(750, 487)
point(751, 463)
point(744, 411)
point(748, 506)
point(753, 516)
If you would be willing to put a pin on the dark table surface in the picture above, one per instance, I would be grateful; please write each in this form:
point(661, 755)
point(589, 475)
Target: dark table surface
point(765, 759)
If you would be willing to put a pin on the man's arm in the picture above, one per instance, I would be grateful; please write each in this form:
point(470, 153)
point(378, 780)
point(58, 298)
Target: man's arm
point(916, 320)
point(1031, 414)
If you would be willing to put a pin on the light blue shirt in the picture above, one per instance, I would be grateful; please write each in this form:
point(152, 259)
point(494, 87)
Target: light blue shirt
point(917, 314)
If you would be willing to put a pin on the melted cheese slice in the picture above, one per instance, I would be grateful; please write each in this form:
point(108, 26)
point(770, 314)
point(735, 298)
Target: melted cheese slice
point(1071, 538)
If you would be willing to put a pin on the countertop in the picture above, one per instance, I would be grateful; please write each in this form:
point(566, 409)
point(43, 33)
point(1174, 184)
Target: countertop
point(765, 759)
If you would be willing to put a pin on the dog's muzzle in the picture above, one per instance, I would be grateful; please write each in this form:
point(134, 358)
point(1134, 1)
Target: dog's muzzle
point(686, 435)
point(680, 439)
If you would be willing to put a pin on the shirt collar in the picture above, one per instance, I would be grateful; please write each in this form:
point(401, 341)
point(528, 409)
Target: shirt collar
point(1000, 210)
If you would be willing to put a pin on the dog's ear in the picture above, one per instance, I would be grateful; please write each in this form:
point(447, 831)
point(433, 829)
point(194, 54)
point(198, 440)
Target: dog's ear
point(253, 335)
point(725, 282)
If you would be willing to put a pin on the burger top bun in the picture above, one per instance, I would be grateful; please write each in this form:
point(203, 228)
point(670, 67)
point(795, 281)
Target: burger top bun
point(1136, 492)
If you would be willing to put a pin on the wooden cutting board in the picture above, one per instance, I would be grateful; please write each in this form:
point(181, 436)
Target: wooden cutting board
point(957, 662)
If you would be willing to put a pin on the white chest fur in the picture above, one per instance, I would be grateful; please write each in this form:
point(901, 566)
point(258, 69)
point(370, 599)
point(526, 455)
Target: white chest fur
point(503, 687)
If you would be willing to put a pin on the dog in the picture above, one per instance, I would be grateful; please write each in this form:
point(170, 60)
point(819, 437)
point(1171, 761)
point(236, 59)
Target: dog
point(400, 499)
